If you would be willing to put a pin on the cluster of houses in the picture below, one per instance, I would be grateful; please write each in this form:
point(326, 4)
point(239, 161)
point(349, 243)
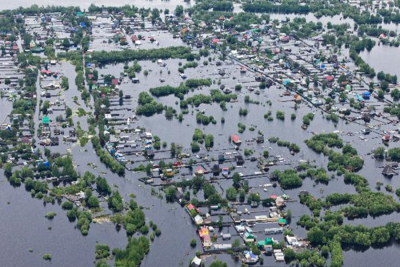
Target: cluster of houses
point(214, 237)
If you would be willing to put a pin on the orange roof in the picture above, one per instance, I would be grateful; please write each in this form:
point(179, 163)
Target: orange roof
point(203, 232)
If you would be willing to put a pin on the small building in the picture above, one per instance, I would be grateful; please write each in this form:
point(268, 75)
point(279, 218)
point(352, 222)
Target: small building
point(216, 169)
point(269, 231)
point(236, 140)
point(388, 171)
point(248, 237)
point(198, 219)
point(196, 262)
point(226, 236)
point(249, 257)
point(239, 160)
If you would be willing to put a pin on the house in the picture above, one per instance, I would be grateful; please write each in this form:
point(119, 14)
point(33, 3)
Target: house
point(236, 140)
point(115, 82)
point(273, 230)
point(225, 172)
point(216, 169)
point(267, 242)
point(205, 236)
point(170, 173)
point(199, 171)
point(240, 228)
point(198, 219)
point(388, 171)
point(293, 241)
point(279, 256)
point(386, 138)
point(192, 209)
point(248, 237)
point(260, 139)
point(249, 257)
point(239, 160)
point(282, 222)
point(226, 236)
point(196, 262)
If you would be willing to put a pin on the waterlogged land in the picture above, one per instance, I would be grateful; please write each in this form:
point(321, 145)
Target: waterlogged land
point(210, 133)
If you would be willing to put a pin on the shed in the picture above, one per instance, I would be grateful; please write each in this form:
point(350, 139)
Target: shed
point(239, 159)
point(196, 262)
point(46, 120)
point(366, 95)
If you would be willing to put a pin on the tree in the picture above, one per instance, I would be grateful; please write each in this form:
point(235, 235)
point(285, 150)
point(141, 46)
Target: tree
point(381, 76)
point(236, 243)
point(8, 170)
point(290, 255)
point(115, 202)
point(398, 192)
point(68, 112)
point(231, 194)
point(385, 86)
point(236, 180)
point(102, 263)
point(242, 195)
point(395, 94)
point(256, 250)
point(325, 251)
point(218, 264)
point(315, 236)
point(289, 179)
point(93, 202)
point(178, 11)
point(67, 205)
point(379, 153)
point(102, 251)
point(170, 193)
point(380, 235)
point(65, 43)
point(381, 94)
point(102, 186)
point(173, 150)
point(47, 257)
point(394, 153)
point(26, 172)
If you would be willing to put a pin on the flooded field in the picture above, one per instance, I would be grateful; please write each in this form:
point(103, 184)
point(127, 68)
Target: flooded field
point(383, 58)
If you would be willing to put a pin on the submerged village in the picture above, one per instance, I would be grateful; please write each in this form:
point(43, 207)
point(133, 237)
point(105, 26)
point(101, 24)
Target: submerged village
point(214, 133)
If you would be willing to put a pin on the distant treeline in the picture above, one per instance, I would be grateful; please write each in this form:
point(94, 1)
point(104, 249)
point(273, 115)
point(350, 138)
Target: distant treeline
point(103, 57)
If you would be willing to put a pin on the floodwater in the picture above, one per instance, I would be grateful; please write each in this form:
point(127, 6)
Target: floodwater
point(383, 58)
point(177, 229)
point(22, 218)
